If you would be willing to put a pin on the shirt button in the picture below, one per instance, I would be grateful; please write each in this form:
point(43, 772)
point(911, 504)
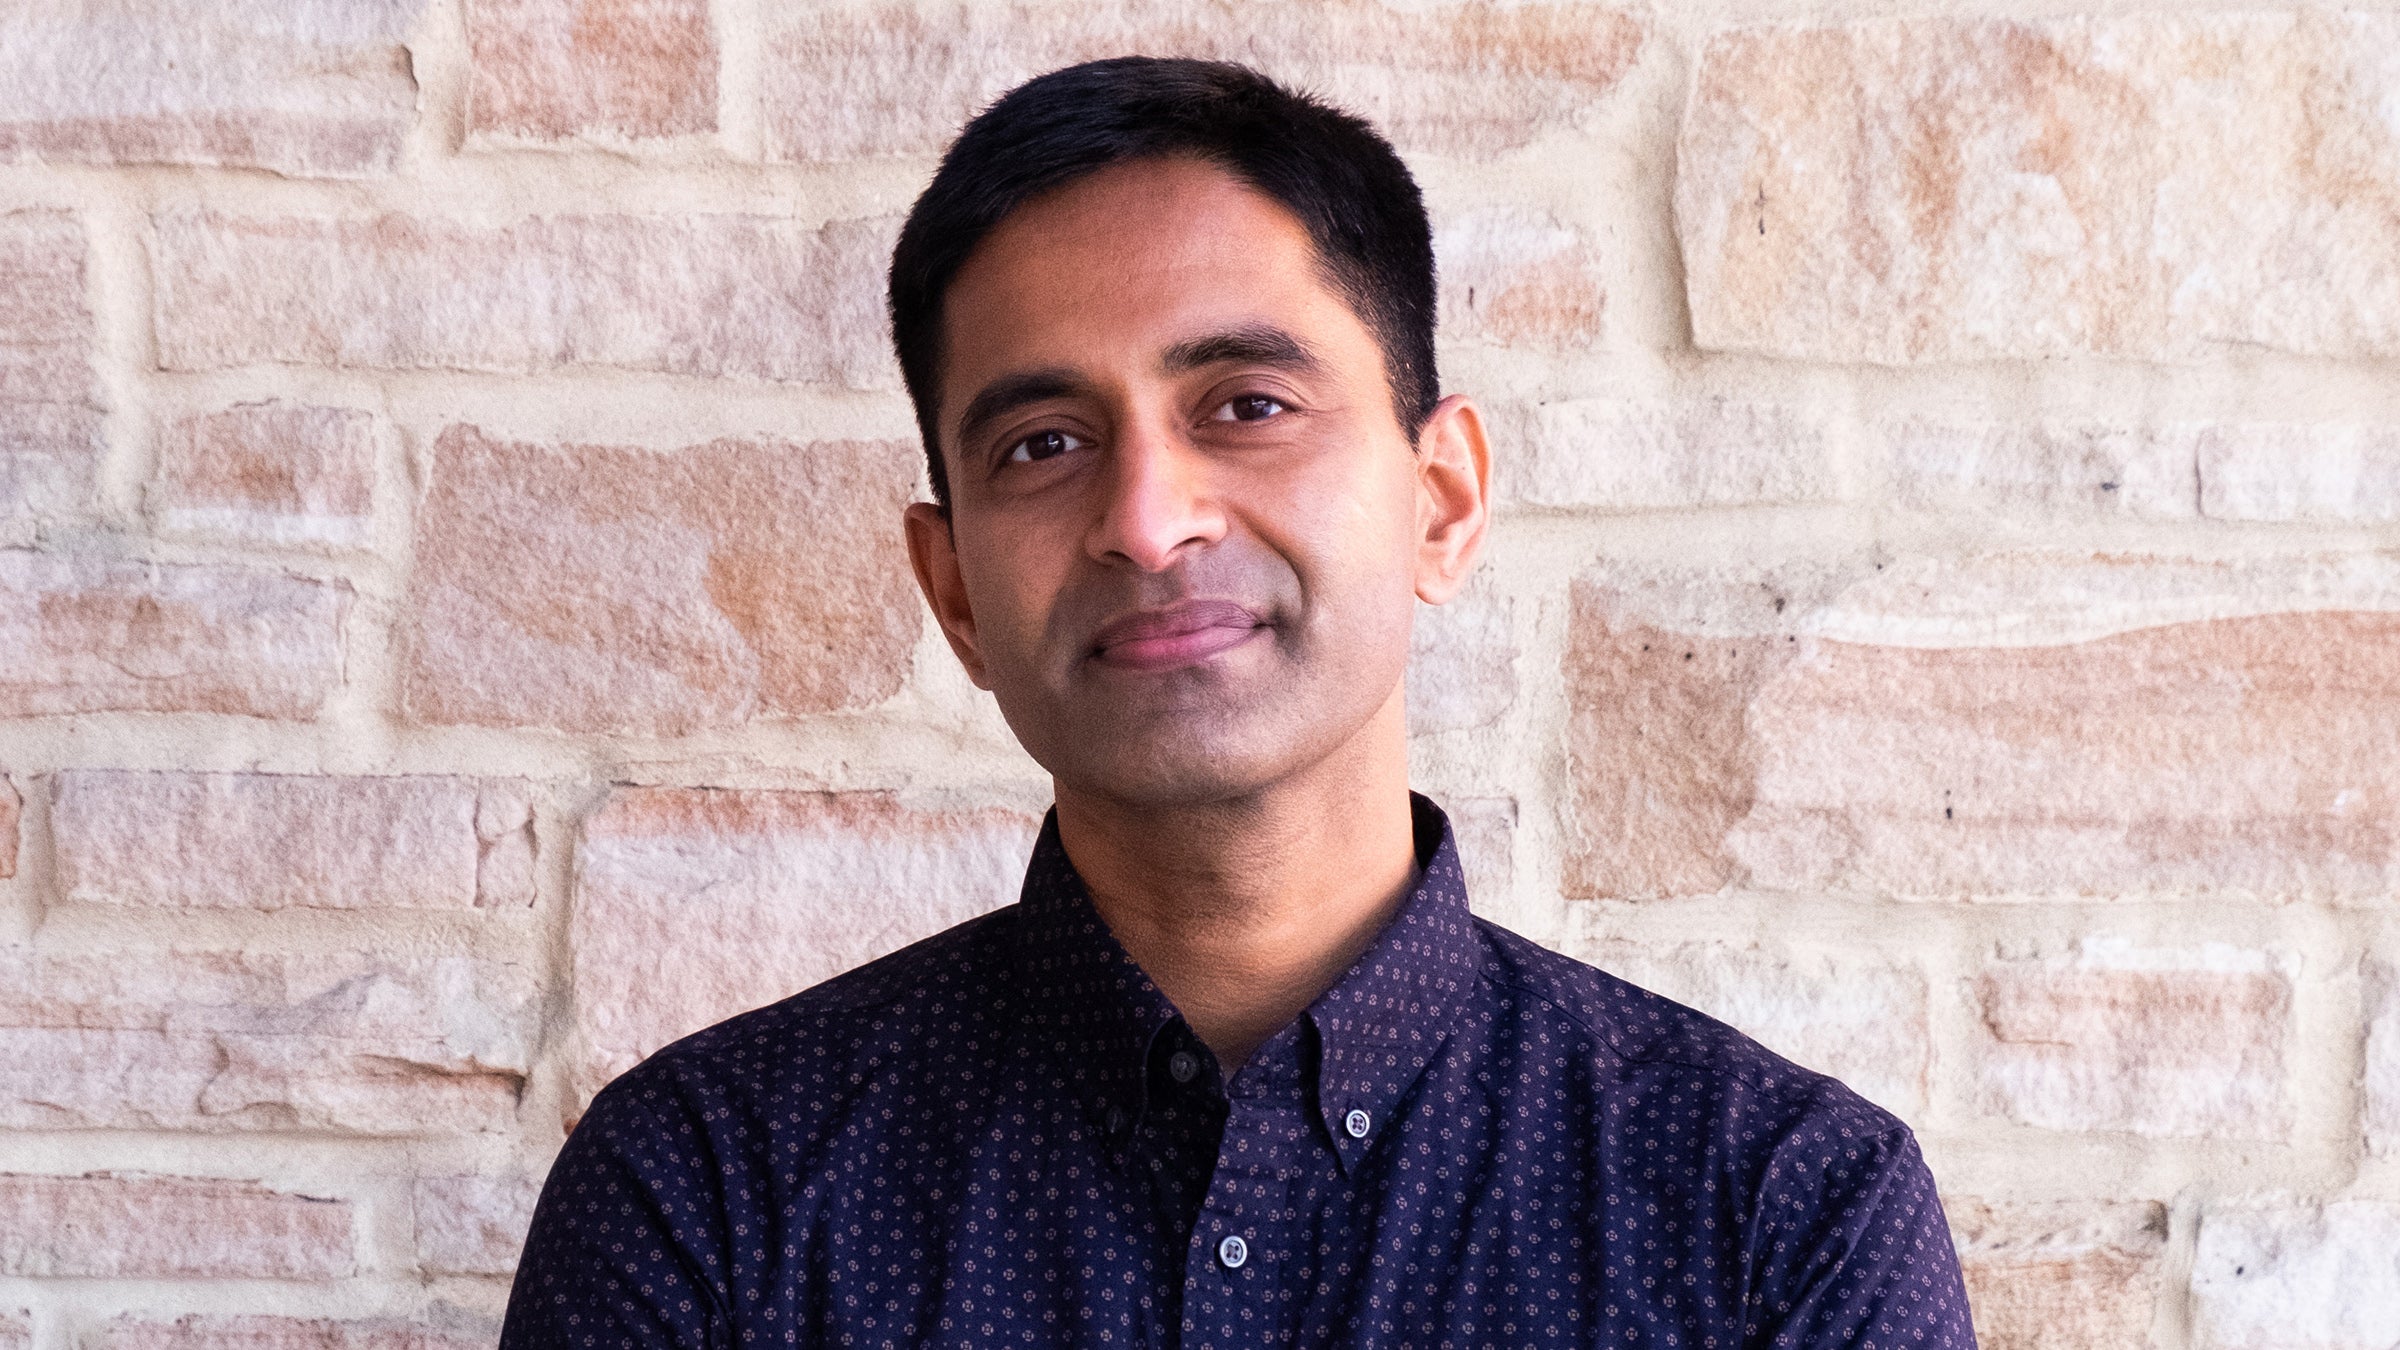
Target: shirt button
point(1183, 1065)
point(1358, 1123)
point(1233, 1252)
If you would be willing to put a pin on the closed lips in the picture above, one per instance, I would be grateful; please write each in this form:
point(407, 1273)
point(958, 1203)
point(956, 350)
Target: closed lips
point(1176, 633)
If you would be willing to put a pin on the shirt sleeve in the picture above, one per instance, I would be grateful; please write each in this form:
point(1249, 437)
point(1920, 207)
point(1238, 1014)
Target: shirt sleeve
point(1851, 1251)
point(612, 1261)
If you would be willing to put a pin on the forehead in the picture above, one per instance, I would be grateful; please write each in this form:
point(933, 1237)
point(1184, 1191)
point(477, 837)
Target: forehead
point(1116, 267)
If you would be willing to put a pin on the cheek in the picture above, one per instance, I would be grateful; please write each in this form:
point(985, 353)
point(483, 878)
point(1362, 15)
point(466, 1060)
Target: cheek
point(1354, 544)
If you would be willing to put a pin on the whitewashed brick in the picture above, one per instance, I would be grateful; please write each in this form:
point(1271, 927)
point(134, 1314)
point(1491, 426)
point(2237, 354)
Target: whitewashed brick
point(2039, 472)
point(2168, 1044)
point(133, 1226)
point(548, 70)
point(270, 473)
point(49, 399)
point(1622, 456)
point(88, 634)
point(757, 297)
point(1462, 668)
point(272, 841)
point(2151, 185)
point(350, 1041)
point(2338, 475)
point(2061, 1275)
point(692, 905)
point(1861, 1021)
point(2382, 1085)
point(306, 87)
point(472, 1225)
point(2313, 1278)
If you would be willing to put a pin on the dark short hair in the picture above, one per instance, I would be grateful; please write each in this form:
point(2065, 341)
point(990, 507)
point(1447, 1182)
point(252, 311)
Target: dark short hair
point(1332, 171)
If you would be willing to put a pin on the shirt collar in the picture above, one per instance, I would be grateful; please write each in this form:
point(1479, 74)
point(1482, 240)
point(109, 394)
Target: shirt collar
point(1376, 1028)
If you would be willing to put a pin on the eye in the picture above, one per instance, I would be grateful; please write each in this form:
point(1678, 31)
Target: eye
point(1247, 408)
point(1044, 445)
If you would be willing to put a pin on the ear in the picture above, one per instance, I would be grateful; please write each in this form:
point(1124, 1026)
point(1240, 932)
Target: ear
point(933, 552)
point(1454, 483)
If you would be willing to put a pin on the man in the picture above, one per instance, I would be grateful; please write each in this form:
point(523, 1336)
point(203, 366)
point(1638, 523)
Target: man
point(1240, 1068)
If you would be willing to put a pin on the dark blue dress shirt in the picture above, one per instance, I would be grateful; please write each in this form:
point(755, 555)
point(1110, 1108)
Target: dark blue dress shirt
point(1005, 1135)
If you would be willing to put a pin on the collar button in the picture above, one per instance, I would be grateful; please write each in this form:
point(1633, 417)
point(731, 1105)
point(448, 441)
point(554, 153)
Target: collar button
point(1183, 1066)
point(1357, 1123)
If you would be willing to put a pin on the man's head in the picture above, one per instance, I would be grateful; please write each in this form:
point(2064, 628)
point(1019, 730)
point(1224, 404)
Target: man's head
point(1169, 331)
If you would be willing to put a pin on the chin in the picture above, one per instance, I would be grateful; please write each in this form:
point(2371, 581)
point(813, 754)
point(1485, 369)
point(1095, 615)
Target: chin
point(1162, 766)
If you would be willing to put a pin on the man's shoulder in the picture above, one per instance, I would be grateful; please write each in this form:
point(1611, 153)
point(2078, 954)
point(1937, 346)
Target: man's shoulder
point(949, 980)
point(1647, 1041)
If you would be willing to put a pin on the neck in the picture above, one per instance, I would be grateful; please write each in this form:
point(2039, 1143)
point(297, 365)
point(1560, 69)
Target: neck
point(1244, 910)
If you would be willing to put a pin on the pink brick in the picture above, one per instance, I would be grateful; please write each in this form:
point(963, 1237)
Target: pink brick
point(2335, 475)
point(2163, 1044)
point(692, 905)
point(2148, 185)
point(49, 399)
point(304, 87)
point(893, 77)
point(16, 1330)
point(348, 1040)
point(600, 588)
point(472, 1225)
point(271, 473)
point(2064, 1275)
point(1862, 1021)
point(1966, 752)
point(91, 634)
point(758, 297)
point(272, 841)
point(1615, 455)
point(443, 1329)
point(552, 69)
point(119, 1226)
point(1515, 279)
point(2038, 472)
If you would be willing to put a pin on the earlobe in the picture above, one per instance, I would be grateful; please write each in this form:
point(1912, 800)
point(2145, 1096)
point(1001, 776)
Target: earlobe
point(933, 554)
point(1454, 479)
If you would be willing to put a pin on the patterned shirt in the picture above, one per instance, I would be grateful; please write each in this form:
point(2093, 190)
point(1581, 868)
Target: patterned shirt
point(1005, 1135)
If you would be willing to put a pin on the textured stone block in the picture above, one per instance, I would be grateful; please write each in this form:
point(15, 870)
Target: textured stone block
point(89, 634)
point(49, 398)
point(2060, 1276)
point(443, 1329)
point(1860, 1021)
point(303, 87)
point(2145, 185)
point(272, 841)
point(2158, 1043)
point(269, 473)
point(600, 588)
point(692, 905)
point(133, 1226)
point(899, 77)
point(2326, 1278)
point(2041, 472)
point(1485, 830)
point(16, 1330)
point(1462, 665)
point(2056, 729)
point(2335, 475)
point(472, 1225)
point(1613, 455)
point(2382, 1087)
point(351, 1041)
point(1515, 279)
point(614, 69)
point(751, 296)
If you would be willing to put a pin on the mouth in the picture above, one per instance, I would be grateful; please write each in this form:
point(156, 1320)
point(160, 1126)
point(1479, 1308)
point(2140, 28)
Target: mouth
point(1181, 634)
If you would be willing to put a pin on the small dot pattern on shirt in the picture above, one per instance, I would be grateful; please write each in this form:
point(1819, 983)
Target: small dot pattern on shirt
point(1006, 1135)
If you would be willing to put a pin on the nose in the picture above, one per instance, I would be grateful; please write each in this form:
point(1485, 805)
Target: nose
point(1158, 499)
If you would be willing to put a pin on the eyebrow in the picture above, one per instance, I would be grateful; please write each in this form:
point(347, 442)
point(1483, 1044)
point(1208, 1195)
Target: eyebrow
point(1260, 344)
point(1011, 392)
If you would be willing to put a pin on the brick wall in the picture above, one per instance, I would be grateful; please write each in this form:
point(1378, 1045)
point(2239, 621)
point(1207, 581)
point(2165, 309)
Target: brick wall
point(1944, 615)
